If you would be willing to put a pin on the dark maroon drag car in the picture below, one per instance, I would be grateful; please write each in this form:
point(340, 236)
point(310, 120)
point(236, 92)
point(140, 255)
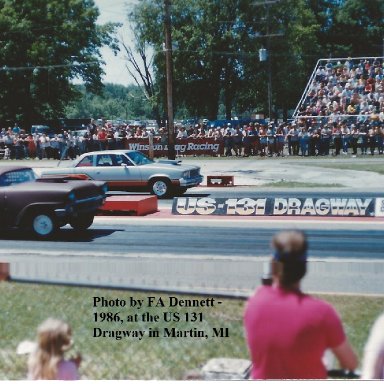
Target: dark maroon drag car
point(41, 206)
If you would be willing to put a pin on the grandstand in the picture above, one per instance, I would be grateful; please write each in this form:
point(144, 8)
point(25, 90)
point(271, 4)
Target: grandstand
point(344, 89)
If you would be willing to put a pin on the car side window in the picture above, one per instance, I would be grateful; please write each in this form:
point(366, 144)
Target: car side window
point(114, 160)
point(16, 177)
point(86, 162)
point(120, 159)
point(104, 161)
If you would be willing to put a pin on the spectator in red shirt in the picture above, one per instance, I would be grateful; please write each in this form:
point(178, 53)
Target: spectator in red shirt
point(102, 138)
point(288, 331)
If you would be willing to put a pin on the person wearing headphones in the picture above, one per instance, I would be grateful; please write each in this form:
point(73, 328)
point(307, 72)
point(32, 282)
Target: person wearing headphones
point(288, 331)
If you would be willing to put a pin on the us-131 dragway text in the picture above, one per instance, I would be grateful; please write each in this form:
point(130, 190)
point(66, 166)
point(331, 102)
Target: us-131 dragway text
point(135, 318)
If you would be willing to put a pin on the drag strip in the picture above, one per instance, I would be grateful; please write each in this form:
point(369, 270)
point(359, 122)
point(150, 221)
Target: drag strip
point(198, 255)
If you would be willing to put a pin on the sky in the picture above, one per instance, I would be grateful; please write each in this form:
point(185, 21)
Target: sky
point(115, 11)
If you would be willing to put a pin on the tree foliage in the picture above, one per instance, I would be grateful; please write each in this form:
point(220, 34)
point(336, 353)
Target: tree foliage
point(45, 44)
point(353, 28)
point(114, 102)
point(216, 66)
point(139, 65)
point(216, 55)
point(217, 42)
point(359, 26)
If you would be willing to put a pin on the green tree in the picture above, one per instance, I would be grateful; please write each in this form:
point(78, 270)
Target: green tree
point(114, 102)
point(294, 54)
point(351, 28)
point(139, 66)
point(45, 44)
point(216, 55)
point(287, 29)
point(359, 27)
point(201, 60)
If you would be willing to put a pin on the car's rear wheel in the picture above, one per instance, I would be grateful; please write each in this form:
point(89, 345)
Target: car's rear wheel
point(43, 224)
point(160, 188)
point(80, 223)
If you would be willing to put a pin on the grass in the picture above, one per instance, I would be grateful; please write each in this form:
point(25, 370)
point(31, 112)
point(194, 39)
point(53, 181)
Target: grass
point(367, 167)
point(298, 184)
point(24, 306)
point(366, 164)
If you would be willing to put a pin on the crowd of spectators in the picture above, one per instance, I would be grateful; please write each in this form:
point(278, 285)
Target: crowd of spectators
point(354, 87)
point(303, 137)
point(342, 112)
point(15, 143)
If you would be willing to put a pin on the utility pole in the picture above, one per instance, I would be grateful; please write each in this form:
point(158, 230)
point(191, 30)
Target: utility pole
point(265, 55)
point(169, 76)
point(269, 68)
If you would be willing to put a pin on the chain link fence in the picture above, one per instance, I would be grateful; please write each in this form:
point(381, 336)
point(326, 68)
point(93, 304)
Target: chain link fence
point(135, 331)
point(164, 338)
point(130, 334)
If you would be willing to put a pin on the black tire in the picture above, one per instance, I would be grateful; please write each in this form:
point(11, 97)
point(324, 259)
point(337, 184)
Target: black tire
point(42, 224)
point(179, 191)
point(81, 223)
point(160, 187)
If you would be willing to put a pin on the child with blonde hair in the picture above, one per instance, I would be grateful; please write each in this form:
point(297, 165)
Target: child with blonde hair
point(46, 362)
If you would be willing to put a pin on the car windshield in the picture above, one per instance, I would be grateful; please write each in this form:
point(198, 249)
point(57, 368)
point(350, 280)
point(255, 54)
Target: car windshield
point(139, 158)
point(17, 177)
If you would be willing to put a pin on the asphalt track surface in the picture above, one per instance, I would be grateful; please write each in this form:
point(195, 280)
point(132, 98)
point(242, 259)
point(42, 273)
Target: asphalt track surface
point(210, 255)
point(201, 255)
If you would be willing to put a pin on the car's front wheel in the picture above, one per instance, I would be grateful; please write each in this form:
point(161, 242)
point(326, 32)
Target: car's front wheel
point(160, 188)
point(43, 224)
point(80, 223)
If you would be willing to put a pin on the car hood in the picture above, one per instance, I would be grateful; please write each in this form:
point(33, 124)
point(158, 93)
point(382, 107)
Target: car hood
point(171, 165)
point(81, 187)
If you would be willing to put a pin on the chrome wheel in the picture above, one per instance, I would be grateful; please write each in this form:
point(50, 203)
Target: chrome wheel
point(160, 188)
point(43, 225)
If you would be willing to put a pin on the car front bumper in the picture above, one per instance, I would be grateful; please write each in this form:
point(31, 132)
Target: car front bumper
point(192, 182)
point(90, 204)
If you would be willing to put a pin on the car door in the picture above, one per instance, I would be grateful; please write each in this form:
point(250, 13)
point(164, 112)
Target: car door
point(84, 166)
point(117, 170)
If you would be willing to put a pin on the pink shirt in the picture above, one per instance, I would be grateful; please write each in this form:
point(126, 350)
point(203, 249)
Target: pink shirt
point(67, 370)
point(288, 332)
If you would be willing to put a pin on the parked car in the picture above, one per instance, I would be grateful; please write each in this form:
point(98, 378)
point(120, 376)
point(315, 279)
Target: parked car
point(79, 132)
point(133, 171)
point(44, 205)
point(43, 129)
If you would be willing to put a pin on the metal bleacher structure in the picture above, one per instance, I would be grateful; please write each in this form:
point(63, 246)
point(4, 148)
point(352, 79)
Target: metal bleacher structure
point(332, 63)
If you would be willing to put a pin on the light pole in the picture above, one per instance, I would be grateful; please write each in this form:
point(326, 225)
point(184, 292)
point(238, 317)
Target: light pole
point(169, 73)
